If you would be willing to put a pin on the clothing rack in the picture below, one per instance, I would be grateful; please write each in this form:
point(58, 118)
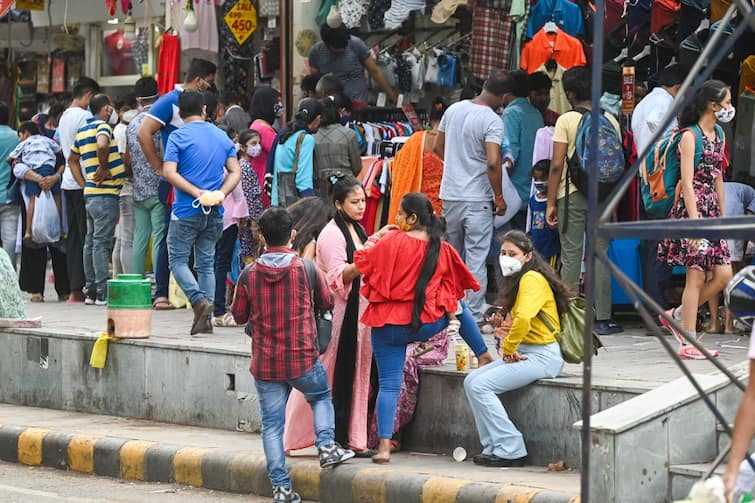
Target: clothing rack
point(382, 114)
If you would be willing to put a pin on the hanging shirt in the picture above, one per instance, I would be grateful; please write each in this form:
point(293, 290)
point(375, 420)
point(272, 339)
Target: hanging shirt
point(491, 36)
point(560, 46)
point(647, 115)
point(205, 37)
point(447, 70)
point(559, 102)
point(543, 148)
point(567, 15)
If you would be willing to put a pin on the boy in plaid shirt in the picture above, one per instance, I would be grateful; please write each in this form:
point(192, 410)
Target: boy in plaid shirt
point(273, 299)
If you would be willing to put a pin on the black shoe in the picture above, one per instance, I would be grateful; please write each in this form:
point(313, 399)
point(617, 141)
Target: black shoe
point(499, 462)
point(482, 459)
point(608, 327)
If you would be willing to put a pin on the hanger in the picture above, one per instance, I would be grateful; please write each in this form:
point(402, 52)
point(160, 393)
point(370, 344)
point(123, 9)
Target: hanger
point(550, 27)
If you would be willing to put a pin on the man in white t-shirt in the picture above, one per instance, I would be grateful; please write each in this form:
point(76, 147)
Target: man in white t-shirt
point(72, 119)
point(647, 115)
point(744, 425)
point(469, 142)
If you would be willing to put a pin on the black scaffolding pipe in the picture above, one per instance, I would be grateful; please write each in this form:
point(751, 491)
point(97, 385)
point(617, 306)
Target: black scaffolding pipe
point(599, 226)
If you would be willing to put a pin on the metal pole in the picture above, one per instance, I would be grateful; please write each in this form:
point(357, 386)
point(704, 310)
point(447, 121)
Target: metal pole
point(592, 220)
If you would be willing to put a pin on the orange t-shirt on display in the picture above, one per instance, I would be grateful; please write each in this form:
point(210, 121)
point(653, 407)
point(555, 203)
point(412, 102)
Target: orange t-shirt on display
point(566, 50)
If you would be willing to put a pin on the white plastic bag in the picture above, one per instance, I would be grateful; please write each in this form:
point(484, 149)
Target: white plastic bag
point(45, 227)
point(511, 197)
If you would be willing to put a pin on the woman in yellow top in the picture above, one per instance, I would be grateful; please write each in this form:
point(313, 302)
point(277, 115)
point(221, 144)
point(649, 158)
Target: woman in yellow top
point(529, 352)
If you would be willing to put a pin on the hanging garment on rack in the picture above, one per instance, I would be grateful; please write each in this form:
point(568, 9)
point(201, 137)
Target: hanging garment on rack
point(518, 12)
point(376, 13)
point(445, 9)
point(566, 15)
point(431, 75)
point(168, 63)
point(205, 37)
point(559, 103)
point(543, 148)
point(406, 171)
point(447, 70)
point(566, 50)
point(352, 12)
point(491, 37)
point(400, 10)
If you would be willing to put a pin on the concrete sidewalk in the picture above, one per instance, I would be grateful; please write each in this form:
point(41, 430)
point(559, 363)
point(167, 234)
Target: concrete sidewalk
point(233, 461)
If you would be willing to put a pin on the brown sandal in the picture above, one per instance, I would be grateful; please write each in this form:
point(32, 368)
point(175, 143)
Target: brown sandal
point(162, 304)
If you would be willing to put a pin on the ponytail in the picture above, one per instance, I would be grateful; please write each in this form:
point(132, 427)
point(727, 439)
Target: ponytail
point(415, 203)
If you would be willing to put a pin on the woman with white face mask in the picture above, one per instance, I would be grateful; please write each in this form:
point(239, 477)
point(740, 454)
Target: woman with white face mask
point(701, 195)
point(532, 291)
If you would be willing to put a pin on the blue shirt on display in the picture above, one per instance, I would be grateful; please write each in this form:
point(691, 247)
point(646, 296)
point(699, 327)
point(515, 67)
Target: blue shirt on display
point(201, 150)
point(566, 15)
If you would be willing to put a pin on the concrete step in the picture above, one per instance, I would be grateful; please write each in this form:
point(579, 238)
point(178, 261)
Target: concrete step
point(683, 476)
point(723, 440)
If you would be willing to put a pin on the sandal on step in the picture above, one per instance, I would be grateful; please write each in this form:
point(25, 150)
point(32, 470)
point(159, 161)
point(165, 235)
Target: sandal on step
point(37, 297)
point(423, 348)
point(224, 321)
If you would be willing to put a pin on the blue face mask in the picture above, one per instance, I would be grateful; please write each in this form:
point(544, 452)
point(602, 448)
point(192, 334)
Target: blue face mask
point(345, 119)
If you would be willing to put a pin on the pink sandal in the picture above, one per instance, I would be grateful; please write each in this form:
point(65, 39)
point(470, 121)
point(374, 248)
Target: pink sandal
point(689, 352)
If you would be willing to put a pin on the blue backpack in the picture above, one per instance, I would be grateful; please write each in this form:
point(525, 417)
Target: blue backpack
point(660, 171)
point(610, 162)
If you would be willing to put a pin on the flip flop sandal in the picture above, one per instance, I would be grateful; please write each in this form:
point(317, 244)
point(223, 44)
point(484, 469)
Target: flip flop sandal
point(37, 297)
point(665, 324)
point(689, 352)
point(162, 304)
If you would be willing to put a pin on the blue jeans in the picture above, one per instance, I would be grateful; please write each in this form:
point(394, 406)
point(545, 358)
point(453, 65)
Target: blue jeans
point(498, 435)
point(389, 347)
point(469, 227)
point(223, 259)
point(273, 396)
point(199, 232)
point(102, 214)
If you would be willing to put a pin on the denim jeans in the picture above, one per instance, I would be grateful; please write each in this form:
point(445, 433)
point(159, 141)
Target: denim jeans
point(124, 237)
point(389, 347)
point(102, 214)
point(223, 260)
point(469, 227)
point(272, 396)
point(498, 435)
point(149, 220)
point(199, 232)
point(9, 229)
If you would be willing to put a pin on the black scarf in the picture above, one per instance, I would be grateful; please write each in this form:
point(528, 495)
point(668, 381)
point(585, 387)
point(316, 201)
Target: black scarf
point(343, 378)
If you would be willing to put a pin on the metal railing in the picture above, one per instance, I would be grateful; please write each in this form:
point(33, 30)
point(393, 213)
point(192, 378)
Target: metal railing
point(599, 225)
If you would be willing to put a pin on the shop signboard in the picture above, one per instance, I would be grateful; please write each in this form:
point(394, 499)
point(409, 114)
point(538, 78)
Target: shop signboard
point(30, 4)
point(242, 20)
point(5, 6)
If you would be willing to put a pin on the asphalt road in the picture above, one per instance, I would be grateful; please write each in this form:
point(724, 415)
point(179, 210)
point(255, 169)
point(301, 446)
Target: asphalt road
point(24, 484)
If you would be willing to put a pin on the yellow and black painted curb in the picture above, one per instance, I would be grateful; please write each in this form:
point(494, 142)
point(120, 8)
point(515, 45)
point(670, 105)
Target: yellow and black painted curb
point(243, 472)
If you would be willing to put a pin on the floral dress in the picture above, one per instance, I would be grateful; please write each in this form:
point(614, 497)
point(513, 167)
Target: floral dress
point(675, 251)
point(253, 194)
point(11, 302)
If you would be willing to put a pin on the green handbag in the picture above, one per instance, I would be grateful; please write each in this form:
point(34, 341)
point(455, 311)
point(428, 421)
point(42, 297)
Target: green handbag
point(571, 338)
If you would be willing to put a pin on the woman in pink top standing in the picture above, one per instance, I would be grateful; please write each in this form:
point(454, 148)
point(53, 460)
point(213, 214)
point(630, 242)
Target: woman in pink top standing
point(266, 107)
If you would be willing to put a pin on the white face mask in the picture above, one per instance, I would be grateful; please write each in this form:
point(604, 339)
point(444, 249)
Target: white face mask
point(205, 209)
point(726, 114)
point(509, 265)
point(254, 150)
point(113, 120)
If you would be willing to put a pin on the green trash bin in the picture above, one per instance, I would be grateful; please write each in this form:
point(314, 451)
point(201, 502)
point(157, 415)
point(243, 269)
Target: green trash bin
point(129, 307)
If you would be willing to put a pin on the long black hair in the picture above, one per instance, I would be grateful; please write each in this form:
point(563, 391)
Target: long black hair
point(263, 103)
point(309, 109)
point(511, 284)
point(418, 204)
point(310, 215)
point(712, 91)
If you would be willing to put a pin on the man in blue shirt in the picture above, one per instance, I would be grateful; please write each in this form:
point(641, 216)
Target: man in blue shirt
point(521, 121)
point(163, 116)
point(8, 209)
point(195, 156)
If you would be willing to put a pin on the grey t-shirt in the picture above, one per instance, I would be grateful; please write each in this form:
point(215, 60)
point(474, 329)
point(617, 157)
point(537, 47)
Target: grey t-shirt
point(347, 66)
point(468, 127)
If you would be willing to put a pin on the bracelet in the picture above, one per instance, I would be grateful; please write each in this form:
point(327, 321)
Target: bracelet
point(498, 197)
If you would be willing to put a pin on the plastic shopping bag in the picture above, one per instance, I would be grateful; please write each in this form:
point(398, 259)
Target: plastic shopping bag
point(46, 222)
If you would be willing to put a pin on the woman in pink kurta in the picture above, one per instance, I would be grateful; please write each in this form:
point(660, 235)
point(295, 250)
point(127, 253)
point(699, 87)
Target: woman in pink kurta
point(348, 358)
point(266, 105)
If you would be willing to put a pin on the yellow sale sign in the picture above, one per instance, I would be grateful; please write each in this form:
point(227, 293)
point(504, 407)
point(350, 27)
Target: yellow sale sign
point(242, 20)
point(30, 4)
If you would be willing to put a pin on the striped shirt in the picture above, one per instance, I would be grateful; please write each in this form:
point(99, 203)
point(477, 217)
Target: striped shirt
point(85, 145)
